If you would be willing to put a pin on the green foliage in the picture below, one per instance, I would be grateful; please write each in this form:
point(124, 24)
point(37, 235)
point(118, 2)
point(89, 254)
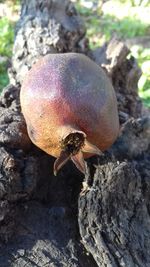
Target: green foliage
point(127, 27)
point(105, 24)
point(101, 26)
point(6, 43)
point(3, 76)
point(14, 2)
point(6, 37)
point(6, 40)
point(143, 57)
point(139, 2)
point(83, 10)
point(135, 3)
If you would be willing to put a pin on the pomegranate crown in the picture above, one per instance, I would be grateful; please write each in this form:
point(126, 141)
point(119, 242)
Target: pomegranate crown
point(73, 145)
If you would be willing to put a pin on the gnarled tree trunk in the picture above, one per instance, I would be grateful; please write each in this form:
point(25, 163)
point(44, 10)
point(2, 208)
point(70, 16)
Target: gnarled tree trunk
point(45, 220)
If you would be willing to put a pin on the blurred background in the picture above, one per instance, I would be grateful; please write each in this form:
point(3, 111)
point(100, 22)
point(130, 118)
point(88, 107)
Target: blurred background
point(127, 19)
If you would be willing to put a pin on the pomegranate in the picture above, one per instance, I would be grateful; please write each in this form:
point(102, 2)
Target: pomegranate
point(70, 108)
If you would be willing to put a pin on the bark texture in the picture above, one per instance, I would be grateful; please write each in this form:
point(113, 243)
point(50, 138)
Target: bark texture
point(46, 220)
point(49, 26)
point(114, 214)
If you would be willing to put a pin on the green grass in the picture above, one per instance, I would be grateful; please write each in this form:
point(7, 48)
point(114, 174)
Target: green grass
point(125, 28)
point(126, 19)
point(6, 40)
point(6, 37)
point(136, 2)
point(6, 44)
point(4, 80)
point(105, 23)
point(143, 57)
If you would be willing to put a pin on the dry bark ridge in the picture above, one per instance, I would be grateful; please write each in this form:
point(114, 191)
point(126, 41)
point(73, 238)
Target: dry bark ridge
point(43, 220)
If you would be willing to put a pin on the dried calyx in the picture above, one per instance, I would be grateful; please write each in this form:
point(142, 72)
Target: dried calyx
point(72, 147)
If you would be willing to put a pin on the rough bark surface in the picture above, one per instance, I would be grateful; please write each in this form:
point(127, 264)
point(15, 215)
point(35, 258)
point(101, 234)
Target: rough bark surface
point(46, 220)
point(114, 214)
point(51, 26)
point(44, 236)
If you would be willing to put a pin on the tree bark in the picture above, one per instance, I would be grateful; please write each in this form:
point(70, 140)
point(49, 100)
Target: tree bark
point(114, 214)
point(46, 220)
point(49, 26)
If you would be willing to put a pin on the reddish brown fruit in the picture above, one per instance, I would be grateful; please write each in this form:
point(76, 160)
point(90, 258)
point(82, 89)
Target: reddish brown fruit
point(70, 108)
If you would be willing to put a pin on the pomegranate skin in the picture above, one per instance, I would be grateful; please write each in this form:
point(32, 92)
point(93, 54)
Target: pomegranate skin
point(64, 93)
